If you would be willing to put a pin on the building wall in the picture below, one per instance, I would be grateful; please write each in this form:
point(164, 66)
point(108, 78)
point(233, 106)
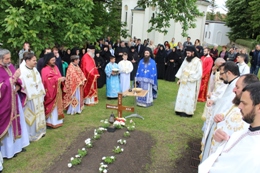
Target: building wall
point(174, 30)
point(216, 33)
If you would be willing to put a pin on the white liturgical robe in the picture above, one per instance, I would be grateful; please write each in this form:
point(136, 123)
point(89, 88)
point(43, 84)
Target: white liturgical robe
point(240, 154)
point(189, 74)
point(222, 105)
point(34, 108)
point(125, 68)
point(243, 68)
point(233, 122)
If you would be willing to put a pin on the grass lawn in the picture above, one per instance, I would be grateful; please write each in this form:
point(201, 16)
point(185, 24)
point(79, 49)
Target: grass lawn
point(171, 133)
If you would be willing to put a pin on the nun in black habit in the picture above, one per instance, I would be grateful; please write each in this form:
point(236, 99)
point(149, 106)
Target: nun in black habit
point(160, 62)
point(172, 61)
point(100, 64)
point(133, 57)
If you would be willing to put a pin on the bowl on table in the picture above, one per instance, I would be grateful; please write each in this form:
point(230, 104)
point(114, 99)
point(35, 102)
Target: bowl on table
point(137, 90)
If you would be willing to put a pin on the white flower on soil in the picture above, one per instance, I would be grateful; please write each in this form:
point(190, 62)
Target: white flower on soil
point(122, 149)
point(77, 156)
point(104, 171)
point(112, 157)
point(105, 166)
point(83, 149)
point(102, 162)
point(103, 158)
point(72, 158)
point(69, 165)
point(101, 121)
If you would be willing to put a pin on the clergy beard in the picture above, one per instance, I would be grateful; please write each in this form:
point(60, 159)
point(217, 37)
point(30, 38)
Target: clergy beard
point(250, 117)
point(6, 64)
point(236, 100)
point(146, 59)
point(189, 58)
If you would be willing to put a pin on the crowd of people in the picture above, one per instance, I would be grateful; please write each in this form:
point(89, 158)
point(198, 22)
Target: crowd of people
point(35, 96)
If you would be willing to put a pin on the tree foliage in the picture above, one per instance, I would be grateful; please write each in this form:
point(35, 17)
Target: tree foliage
point(44, 23)
point(243, 19)
point(212, 7)
point(183, 11)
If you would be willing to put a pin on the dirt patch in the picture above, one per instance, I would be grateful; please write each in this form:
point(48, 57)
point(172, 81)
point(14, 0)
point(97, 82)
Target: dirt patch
point(190, 158)
point(134, 159)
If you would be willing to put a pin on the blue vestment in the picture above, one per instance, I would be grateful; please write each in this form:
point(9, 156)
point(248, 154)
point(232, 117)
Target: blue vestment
point(146, 77)
point(112, 82)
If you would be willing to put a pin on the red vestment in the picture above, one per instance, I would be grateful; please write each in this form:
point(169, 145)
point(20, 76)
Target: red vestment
point(207, 63)
point(51, 81)
point(90, 71)
point(74, 79)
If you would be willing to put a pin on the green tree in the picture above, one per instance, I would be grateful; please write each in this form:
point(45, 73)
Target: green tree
point(43, 23)
point(181, 11)
point(255, 18)
point(107, 15)
point(239, 19)
point(213, 6)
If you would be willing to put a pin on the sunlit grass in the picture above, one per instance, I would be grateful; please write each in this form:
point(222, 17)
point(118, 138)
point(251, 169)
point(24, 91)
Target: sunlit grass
point(170, 132)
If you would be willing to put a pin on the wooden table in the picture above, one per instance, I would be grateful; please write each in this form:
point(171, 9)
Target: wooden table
point(143, 93)
point(140, 94)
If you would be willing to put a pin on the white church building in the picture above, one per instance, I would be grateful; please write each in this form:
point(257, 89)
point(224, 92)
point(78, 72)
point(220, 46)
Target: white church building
point(216, 33)
point(137, 23)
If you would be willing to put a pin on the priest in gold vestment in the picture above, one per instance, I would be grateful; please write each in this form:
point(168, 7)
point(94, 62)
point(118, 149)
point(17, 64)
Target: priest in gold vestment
point(189, 76)
point(35, 92)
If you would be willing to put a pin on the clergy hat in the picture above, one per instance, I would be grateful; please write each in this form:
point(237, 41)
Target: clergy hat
point(132, 47)
point(91, 47)
point(190, 48)
point(48, 57)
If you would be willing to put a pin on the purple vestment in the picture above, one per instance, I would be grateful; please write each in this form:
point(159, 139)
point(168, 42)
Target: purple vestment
point(9, 114)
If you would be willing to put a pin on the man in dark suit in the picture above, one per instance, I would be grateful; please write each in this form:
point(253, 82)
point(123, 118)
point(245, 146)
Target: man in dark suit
point(139, 48)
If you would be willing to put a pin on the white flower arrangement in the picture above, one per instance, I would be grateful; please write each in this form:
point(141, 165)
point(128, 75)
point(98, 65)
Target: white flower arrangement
point(118, 150)
point(121, 141)
point(105, 123)
point(127, 134)
point(88, 143)
point(108, 159)
point(103, 168)
point(131, 126)
point(118, 124)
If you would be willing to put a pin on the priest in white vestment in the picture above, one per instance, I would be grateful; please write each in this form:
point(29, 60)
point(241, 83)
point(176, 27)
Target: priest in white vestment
point(232, 120)
point(189, 75)
point(125, 68)
point(35, 92)
point(216, 89)
point(243, 67)
point(239, 153)
point(229, 73)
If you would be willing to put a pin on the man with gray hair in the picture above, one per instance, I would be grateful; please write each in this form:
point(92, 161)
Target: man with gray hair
point(13, 131)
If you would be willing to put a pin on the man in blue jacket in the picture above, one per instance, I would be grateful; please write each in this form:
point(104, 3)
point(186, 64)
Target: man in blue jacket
point(255, 61)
